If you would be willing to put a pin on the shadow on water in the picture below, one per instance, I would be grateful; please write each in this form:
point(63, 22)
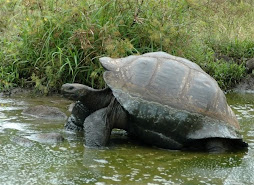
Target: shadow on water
point(124, 161)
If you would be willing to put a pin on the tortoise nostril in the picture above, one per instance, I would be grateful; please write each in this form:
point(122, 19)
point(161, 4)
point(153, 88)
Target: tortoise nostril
point(71, 88)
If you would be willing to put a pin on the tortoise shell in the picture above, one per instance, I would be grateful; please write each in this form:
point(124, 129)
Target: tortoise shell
point(171, 97)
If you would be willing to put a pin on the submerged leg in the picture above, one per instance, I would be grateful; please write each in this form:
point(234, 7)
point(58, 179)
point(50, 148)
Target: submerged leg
point(96, 129)
point(154, 138)
point(222, 145)
point(216, 145)
point(98, 125)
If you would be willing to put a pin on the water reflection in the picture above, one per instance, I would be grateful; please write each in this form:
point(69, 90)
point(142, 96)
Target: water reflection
point(244, 111)
point(161, 166)
point(124, 161)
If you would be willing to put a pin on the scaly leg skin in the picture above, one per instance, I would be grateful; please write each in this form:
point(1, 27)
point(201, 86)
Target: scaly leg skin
point(96, 129)
point(77, 118)
point(70, 125)
point(99, 124)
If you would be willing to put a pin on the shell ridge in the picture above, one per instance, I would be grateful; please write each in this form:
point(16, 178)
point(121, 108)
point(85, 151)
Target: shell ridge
point(178, 59)
point(215, 102)
point(155, 70)
point(186, 85)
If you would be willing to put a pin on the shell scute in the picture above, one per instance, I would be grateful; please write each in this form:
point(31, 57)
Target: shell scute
point(171, 96)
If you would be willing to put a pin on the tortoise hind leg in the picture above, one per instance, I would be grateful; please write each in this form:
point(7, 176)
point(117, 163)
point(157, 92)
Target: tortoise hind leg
point(96, 129)
point(216, 145)
point(222, 145)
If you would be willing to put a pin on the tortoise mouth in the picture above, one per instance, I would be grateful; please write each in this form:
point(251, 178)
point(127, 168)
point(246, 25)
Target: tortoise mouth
point(67, 90)
point(69, 95)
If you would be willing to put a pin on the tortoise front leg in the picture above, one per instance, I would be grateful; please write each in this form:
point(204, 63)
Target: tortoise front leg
point(96, 129)
point(78, 115)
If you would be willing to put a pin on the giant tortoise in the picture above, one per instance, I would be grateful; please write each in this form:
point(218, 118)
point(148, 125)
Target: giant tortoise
point(163, 100)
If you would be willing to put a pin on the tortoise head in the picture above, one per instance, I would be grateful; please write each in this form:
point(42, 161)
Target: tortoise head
point(75, 91)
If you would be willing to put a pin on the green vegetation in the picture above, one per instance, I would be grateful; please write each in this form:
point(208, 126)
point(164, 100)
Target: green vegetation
point(47, 43)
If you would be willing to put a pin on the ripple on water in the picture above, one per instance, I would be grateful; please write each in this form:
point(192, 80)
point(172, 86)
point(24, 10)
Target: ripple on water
point(73, 164)
point(114, 178)
point(102, 161)
point(11, 104)
point(244, 111)
point(162, 180)
point(6, 101)
point(14, 102)
point(14, 126)
point(242, 174)
point(251, 133)
point(2, 116)
point(6, 108)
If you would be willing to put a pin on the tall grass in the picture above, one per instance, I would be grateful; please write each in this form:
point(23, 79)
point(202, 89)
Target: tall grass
point(47, 43)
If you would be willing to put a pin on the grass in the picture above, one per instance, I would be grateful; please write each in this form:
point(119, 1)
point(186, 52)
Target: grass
point(47, 43)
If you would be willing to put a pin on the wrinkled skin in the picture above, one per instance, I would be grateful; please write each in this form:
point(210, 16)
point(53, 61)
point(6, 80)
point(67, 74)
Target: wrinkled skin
point(98, 124)
point(163, 100)
point(78, 115)
point(87, 99)
point(97, 113)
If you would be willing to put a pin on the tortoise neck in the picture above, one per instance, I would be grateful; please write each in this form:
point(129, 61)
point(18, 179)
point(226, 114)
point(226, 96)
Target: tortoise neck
point(97, 99)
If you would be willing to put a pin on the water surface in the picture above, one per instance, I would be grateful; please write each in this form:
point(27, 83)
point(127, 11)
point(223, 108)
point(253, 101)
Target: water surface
point(123, 162)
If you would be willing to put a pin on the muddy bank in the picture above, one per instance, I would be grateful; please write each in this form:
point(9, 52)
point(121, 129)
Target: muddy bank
point(246, 85)
point(18, 91)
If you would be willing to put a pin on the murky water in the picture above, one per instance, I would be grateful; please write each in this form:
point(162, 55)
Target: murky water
point(123, 162)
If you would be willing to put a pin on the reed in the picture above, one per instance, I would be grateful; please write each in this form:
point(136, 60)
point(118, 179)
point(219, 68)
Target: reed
point(47, 43)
